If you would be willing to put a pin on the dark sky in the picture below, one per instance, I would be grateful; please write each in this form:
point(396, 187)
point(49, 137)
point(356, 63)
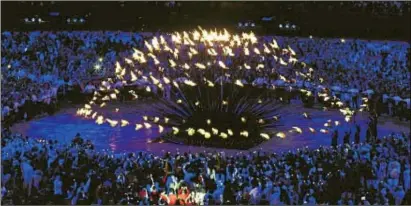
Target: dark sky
point(312, 17)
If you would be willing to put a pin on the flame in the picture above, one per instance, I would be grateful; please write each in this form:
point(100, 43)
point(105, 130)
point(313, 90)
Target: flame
point(281, 135)
point(244, 133)
point(266, 50)
point(201, 131)
point(190, 83)
point(138, 127)
point(222, 65)
point(311, 129)
point(128, 61)
point(175, 130)
point(172, 63)
point(166, 80)
point(100, 120)
point(190, 131)
point(214, 130)
point(112, 123)
point(239, 83)
point(124, 123)
point(298, 130)
point(200, 66)
point(246, 51)
point(160, 129)
point(265, 136)
point(185, 66)
point(147, 125)
point(292, 51)
point(223, 135)
point(256, 51)
point(324, 131)
point(118, 68)
point(274, 45)
point(133, 76)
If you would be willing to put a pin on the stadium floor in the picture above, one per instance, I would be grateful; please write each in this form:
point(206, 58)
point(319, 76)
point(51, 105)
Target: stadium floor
point(64, 125)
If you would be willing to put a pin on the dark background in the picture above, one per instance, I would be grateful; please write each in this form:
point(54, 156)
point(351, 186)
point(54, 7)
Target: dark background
point(325, 19)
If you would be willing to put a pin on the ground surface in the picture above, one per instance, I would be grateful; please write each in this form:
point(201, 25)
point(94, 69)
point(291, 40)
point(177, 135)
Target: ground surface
point(65, 124)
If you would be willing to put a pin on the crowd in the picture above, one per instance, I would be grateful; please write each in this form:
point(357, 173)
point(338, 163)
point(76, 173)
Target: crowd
point(381, 70)
point(40, 67)
point(382, 7)
point(38, 171)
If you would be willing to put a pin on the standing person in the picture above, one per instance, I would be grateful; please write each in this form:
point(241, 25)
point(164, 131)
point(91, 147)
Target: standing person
point(37, 177)
point(374, 126)
point(228, 194)
point(368, 134)
point(399, 195)
point(357, 134)
point(334, 140)
point(58, 192)
point(347, 137)
point(406, 177)
point(88, 90)
point(255, 195)
point(66, 90)
point(28, 173)
point(354, 99)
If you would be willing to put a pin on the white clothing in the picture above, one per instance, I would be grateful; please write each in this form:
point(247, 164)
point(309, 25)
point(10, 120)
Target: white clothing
point(255, 195)
point(89, 89)
point(28, 172)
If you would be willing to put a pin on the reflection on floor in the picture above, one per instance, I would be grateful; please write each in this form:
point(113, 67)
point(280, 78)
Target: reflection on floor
point(65, 125)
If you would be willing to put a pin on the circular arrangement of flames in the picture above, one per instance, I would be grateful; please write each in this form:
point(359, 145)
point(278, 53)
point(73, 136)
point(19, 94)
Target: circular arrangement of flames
point(212, 88)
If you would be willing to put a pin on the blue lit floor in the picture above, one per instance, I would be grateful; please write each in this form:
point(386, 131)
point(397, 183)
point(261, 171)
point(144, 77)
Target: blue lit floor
point(65, 125)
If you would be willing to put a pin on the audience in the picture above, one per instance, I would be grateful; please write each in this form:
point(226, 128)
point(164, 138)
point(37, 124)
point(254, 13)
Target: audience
point(37, 66)
point(39, 69)
point(38, 171)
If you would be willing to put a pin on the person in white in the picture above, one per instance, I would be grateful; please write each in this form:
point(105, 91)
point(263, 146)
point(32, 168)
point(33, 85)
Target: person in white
point(37, 176)
point(406, 177)
point(57, 185)
point(28, 173)
point(90, 88)
point(255, 196)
